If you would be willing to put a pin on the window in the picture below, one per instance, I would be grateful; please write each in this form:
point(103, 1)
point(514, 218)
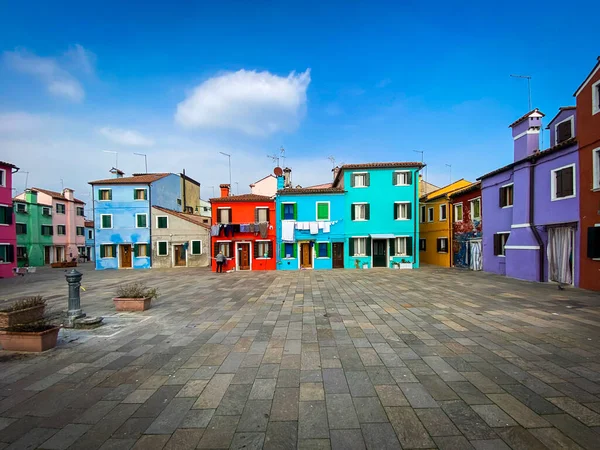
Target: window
point(596, 97)
point(2, 177)
point(80, 211)
point(263, 249)
point(6, 253)
point(224, 215)
point(140, 194)
point(60, 208)
point(563, 182)
point(322, 210)
point(61, 230)
point(360, 211)
point(81, 250)
point(422, 245)
point(563, 130)
point(22, 208)
point(402, 246)
point(90, 234)
point(402, 178)
point(443, 212)
point(360, 179)
point(179, 201)
point(506, 196)
point(422, 215)
point(442, 245)
point(596, 167)
point(289, 251)
point(476, 209)
point(21, 253)
point(360, 246)
point(108, 251)
point(429, 214)
point(402, 211)
point(289, 211)
point(162, 222)
point(105, 220)
point(162, 248)
point(21, 228)
point(593, 242)
point(80, 231)
point(46, 211)
point(196, 248)
point(140, 250)
point(47, 230)
point(500, 243)
point(225, 247)
point(141, 220)
point(104, 194)
point(458, 212)
point(261, 215)
point(6, 215)
point(323, 250)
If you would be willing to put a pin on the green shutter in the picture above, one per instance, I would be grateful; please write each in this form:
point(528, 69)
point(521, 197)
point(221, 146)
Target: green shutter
point(329, 249)
point(114, 251)
point(282, 250)
point(162, 248)
point(110, 194)
point(99, 194)
point(322, 211)
point(162, 222)
point(317, 250)
point(106, 221)
point(282, 211)
point(295, 251)
point(135, 250)
point(392, 247)
point(352, 212)
point(102, 251)
point(367, 211)
point(295, 211)
point(368, 249)
point(351, 247)
point(196, 247)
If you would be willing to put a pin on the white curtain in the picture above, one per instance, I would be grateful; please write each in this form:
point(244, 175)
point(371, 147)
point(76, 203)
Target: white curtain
point(475, 262)
point(560, 254)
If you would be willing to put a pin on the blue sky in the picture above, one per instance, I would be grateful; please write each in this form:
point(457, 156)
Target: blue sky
point(181, 81)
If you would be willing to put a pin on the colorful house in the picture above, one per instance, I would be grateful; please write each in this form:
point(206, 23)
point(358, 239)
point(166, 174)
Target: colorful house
point(467, 242)
point(8, 237)
point(90, 245)
point(588, 136)
point(531, 206)
point(436, 224)
point(243, 229)
point(122, 216)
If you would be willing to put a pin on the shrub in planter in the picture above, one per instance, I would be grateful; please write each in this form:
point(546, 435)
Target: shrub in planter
point(37, 337)
point(134, 297)
point(24, 311)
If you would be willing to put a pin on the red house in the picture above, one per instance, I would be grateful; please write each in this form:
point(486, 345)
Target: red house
point(243, 228)
point(467, 227)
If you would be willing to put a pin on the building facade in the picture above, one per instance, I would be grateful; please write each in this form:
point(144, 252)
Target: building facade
point(8, 237)
point(467, 244)
point(179, 239)
point(266, 186)
point(588, 135)
point(243, 228)
point(90, 247)
point(531, 206)
point(436, 225)
point(190, 195)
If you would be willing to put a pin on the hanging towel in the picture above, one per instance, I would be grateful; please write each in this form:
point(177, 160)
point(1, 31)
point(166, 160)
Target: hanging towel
point(314, 228)
point(321, 225)
point(264, 228)
point(287, 231)
point(327, 227)
point(305, 226)
point(214, 230)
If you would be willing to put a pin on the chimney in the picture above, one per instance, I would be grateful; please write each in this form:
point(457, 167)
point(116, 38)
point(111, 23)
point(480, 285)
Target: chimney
point(225, 190)
point(117, 173)
point(526, 134)
point(287, 177)
point(335, 171)
point(67, 193)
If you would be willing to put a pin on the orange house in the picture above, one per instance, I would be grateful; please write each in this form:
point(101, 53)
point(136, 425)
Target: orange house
point(243, 228)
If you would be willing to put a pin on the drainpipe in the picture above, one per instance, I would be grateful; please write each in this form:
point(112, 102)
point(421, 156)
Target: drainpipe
point(535, 232)
point(183, 196)
point(150, 217)
point(415, 222)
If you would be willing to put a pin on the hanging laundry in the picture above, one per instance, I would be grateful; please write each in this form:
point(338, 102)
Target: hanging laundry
point(327, 227)
point(251, 228)
point(287, 231)
point(321, 225)
point(215, 230)
point(314, 228)
point(244, 228)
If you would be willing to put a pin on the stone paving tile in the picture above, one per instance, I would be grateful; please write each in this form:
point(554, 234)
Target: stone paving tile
point(255, 416)
point(347, 439)
point(281, 436)
point(66, 437)
point(170, 417)
point(437, 422)
point(408, 428)
point(518, 411)
point(380, 436)
point(312, 420)
point(247, 441)
point(219, 432)
point(285, 404)
point(369, 410)
point(213, 392)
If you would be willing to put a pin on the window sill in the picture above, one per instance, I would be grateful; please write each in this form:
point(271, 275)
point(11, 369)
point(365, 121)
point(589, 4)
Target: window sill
point(359, 256)
point(401, 185)
point(323, 257)
point(596, 189)
point(360, 220)
point(506, 207)
point(141, 257)
point(322, 220)
point(445, 253)
point(556, 199)
point(266, 258)
point(501, 256)
point(162, 255)
point(109, 257)
point(401, 220)
point(289, 258)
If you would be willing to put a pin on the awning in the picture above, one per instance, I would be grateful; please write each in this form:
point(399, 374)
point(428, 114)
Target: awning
point(382, 236)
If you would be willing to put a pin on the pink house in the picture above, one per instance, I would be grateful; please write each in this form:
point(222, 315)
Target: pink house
point(8, 233)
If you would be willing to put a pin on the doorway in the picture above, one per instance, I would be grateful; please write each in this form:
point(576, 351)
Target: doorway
point(180, 256)
point(475, 258)
point(47, 254)
point(560, 254)
point(60, 254)
point(305, 256)
point(338, 255)
point(244, 256)
point(380, 253)
point(125, 256)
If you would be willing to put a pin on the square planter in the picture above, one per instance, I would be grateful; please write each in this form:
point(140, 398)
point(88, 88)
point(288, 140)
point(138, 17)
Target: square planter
point(405, 266)
point(29, 341)
point(22, 316)
point(132, 304)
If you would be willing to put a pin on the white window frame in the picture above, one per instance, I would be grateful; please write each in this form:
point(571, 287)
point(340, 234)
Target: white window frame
point(3, 179)
point(359, 173)
point(110, 244)
point(147, 255)
point(287, 203)
point(355, 241)
point(396, 172)
point(396, 241)
point(553, 197)
point(422, 213)
point(440, 212)
point(266, 208)
point(455, 214)
point(229, 242)
point(77, 229)
point(158, 248)
point(317, 249)
point(105, 189)
point(144, 214)
point(7, 244)
point(157, 217)
point(317, 211)
point(140, 199)
point(24, 207)
point(101, 222)
point(62, 225)
point(447, 244)
point(430, 208)
point(228, 208)
point(507, 233)
point(88, 234)
point(354, 205)
point(596, 168)
point(596, 97)
point(397, 205)
point(562, 121)
point(267, 241)
point(473, 200)
point(192, 247)
point(513, 194)
point(49, 209)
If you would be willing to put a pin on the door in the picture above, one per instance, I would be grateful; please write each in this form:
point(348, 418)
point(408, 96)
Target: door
point(475, 259)
point(380, 253)
point(338, 255)
point(244, 254)
point(305, 256)
point(47, 255)
point(125, 255)
point(180, 259)
point(560, 254)
point(60, 254)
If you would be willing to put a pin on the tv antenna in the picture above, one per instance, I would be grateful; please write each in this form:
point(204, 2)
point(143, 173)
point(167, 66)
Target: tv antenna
point(282, 155)
point(275, 159)
point(332, 159)
point(528, 78)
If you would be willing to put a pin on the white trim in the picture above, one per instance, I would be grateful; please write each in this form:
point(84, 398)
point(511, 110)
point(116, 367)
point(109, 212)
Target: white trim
point(286, 203)
point(111, 222)
point(105, 189)
point(395, 177)
point(173, 255)
point(513, 195)
point(407, 209)
point(521, 225)
point(447, 244)
point(520, 247)
point(262, 207)
point(64, 225)
point(148, 249)
point(322, 242)
point(424, 208)
point(462, 212)
point(529, 131)
point(192, 246)
point(430, 208)
point(365, 238)
point(236, 253)
point(298, 251)
point(317, 210)
point(354, 210)
point(471, 207)
point(130, 244)
point(157, 217)
point(228, 219)
point(100, 250)
point(63, 205)
point(136, 219)
point(596, 97)
point(587, 79)
point(553, 196)
point(140, 199)
point(571, 118)
point(596, 168)
point(440, 212)
point(158, 248)
point(3, 179)
point(352, 180)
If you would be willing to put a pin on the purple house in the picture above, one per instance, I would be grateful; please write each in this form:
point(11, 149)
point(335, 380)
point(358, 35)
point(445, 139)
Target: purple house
point(531, 205)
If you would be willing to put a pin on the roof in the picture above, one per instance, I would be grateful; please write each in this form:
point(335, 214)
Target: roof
point(263, 178)
point(376, 165)
point(7, 164)
point(310, 190)
point(525, 116)
point(196, 220)
point(145, 178)
point(536, 155)
point(561, 109)
point(588, 78)
point(88, 224)
point(243, 198)
point(320, 186)
point(445, 190)
point(472, 187)
point(57, 195)
point(188, 178)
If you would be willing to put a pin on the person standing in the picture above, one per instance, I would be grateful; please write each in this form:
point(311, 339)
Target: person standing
point(220, 260)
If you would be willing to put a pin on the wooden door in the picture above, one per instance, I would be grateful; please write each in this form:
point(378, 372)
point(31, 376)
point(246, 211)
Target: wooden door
point(379, 253)
point(305, 256)
point(47, 254)
point(244, 253)
point(338, 255)
point(180, 255)
point(125, 255)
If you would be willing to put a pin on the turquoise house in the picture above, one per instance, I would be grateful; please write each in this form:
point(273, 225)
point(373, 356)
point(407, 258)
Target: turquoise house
point(380, 214)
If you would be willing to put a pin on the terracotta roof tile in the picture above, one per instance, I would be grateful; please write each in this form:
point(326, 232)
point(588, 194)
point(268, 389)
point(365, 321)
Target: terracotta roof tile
point(320, 186)
point(146, 178)
point(561, 109)
point(57, 195)
point(525, 116)
point(465, 190)
point(243, 198)
point(377, 165)
point(196, 220)
point(89, 224)
point(4, 163)
point(310, 190)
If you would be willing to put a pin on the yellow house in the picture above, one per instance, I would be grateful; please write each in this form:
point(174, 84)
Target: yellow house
point(435, 225)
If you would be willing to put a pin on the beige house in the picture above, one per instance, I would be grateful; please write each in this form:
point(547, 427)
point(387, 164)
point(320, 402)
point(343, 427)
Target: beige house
point(179, 239)
point(190, 195)
point(266, 186)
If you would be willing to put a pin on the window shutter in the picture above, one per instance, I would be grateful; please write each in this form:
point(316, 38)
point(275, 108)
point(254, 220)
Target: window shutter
point(282, 250)
point(368, 179)
point(439, 245)
point(317, 250)
point(593, 244)
point(394, 178)
point(215, 249)
point(268, 215)
point(219, 211)
point(102, 251)
point(395, 211)
point(409, 246)
point(329, 249)
point(352, 180)
point(368, 249)
point(114, 251)
point(282, 211)
point(353, 212)
point(295, 211)
point(500, 197)
point(295, 247)
point(409, 177)
point(564, 132)
point(367, 211)
point(351, 247)
point(409, 211)
point(496, 244)
point(196, 248)
point(256, 215)
point(230, 245)
point(110, 194)
point(270, 249)
point(559, 183)
point(9, 216)
point(10, 253)
point(393, 247)
point(256, 255)
point(135, 250)
point(567, 180)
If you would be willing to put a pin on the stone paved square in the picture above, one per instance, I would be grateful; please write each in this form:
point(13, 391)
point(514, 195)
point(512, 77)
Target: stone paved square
point(430, 358)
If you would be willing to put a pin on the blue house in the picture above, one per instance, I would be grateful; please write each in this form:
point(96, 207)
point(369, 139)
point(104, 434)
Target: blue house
point(122, 216)
point(90, 249)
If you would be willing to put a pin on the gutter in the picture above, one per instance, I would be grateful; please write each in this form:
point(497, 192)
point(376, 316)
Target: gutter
point(534, 230)
point(416, 221)
point(150, 216)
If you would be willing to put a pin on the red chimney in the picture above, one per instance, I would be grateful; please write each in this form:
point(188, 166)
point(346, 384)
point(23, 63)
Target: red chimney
point(224, 190)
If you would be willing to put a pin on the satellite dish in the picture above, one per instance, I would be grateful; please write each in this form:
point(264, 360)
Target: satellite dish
point(278, 171)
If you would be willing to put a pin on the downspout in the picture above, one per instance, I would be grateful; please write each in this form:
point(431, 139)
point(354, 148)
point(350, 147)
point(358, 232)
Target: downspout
point(415, 222)
point(183, 196)
point(535, 232)
point(150, 224)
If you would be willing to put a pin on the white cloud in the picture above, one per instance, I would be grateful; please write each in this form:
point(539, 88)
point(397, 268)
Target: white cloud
point(53, 72)
point(255, 103)
point(19, 122)
point(126, 137)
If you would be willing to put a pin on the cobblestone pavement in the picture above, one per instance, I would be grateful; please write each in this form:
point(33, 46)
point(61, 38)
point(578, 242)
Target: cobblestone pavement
point(379, 359)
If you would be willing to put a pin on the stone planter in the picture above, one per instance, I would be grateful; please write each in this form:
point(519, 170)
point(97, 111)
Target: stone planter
point(63, 265)
point(405, 265)
point(132, 304)
point(29, 341)
point(21, 316)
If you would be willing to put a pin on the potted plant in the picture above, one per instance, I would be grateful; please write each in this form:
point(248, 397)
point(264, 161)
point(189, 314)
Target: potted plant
point(32, 337)
point(134, 297)
point(405, 264)
point(24, 311)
